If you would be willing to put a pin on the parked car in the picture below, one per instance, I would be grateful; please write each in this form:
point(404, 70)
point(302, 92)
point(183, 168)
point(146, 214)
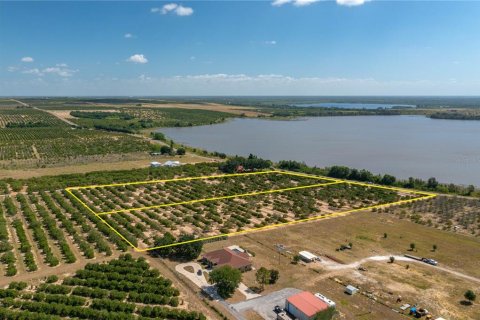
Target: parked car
point(430, 261)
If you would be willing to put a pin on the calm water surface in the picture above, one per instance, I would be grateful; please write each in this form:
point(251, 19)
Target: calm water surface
point(352, 105)
point(400, 145)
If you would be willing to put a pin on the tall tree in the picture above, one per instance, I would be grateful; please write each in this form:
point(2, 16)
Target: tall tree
point(226, 279)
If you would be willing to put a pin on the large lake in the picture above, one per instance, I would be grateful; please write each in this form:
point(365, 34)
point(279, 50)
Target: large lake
point(405, 146)
point(344, 105)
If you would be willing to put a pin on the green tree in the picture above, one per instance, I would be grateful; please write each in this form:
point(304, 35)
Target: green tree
point(165, 150)
point(274, 275)
point(434, 247)
point(388, 180)
point(432, 183)
point(339, 172)
point(412, 246)
point(226, 279)
point(385, 235)
point(167, 239)
point(263, 276)
point(392, 259)
point(188, 251)
point(180, 151)
point(470, 296)
point(158, 136)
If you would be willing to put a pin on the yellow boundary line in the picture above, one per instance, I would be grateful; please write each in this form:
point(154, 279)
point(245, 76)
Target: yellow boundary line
point(424, 196)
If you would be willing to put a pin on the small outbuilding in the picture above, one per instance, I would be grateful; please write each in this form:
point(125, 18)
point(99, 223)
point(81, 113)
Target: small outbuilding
point(307, 256)
point(170, 163)
point(155, 164)
point(351, 290)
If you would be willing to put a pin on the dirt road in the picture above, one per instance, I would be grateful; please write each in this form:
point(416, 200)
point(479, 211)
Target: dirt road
point(331, 265)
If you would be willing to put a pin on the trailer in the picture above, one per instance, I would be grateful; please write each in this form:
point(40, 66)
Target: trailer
point(413, 257)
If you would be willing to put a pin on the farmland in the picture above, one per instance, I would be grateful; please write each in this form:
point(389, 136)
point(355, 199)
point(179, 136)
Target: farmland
point(135, 119)
point(34, 138)
point(207, 207)
point(457, 214)
point(124, 288)
point(44, 230)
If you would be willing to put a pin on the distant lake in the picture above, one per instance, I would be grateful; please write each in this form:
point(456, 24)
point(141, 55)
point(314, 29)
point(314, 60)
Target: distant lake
point(352, 105)
point(405, 146)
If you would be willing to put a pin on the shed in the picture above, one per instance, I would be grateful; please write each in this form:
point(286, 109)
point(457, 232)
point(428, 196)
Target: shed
point(351, 290)
point(171, 163)
point(307, 256)
point(155, 164)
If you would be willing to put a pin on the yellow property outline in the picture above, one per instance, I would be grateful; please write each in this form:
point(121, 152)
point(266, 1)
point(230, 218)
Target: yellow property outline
point(424, 196)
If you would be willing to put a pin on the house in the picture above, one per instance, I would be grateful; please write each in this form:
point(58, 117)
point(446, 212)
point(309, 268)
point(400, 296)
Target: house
point(351, 290)
point(228, 257)
point(307, 256)
point(155, 164)
point(171, 163)
point(305, 306)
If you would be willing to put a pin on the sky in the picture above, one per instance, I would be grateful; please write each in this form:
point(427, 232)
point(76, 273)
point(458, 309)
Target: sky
point(278, 47)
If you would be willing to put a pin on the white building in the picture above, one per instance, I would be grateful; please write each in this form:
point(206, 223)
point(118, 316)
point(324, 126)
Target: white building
point(307, 256)
point(326, 300)
point(172, 163)
point(155, 164)
point(351, 290)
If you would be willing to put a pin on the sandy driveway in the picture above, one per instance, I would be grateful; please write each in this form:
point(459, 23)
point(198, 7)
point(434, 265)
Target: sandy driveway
point(200, 281)
point(331, 265)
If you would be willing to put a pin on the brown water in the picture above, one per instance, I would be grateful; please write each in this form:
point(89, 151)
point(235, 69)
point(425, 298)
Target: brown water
point(405, 146)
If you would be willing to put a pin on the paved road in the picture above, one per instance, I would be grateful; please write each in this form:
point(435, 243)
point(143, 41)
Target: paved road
point(264, 305)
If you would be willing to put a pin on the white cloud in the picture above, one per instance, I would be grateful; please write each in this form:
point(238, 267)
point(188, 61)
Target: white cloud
point(128, 35)
point(193, 58)
point(137, 58)
point(34, 71)
point(169, 7)
point(173, 8)
point(271, 42)
point(184, 11)
point(351, 3)
point(303, 3)
point(12, 69)
point(278, 3)
point(297, 3)
point(60, 69)
point(27, 59)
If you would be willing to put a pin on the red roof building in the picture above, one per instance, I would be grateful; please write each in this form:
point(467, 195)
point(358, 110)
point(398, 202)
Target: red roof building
point(305, 306)
point(233, 258)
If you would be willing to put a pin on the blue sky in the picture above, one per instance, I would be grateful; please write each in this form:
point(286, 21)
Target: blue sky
point(281, 47)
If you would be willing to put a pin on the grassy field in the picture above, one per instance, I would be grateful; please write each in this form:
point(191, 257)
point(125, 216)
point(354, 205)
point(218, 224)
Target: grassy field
point(438, 291)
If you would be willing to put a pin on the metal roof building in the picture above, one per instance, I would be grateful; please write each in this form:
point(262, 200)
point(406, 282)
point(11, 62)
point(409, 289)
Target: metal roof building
point(305, 306)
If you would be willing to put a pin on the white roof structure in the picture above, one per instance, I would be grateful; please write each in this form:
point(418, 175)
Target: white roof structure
point(307, 255)
point(155, 164)
point(326, 300)
point(170, 163)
